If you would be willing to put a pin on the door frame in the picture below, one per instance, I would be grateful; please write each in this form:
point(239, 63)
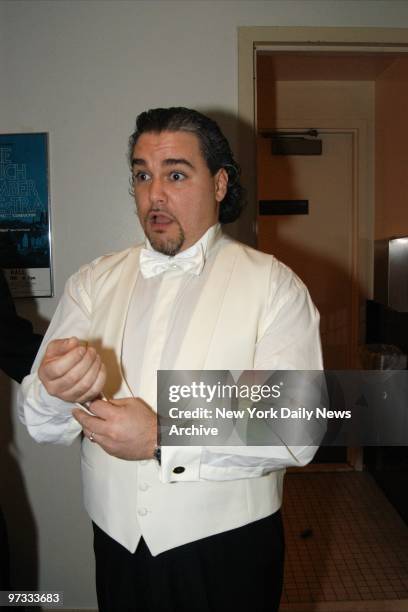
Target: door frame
point(317, 39)
point(360, 215)
point(362, 260)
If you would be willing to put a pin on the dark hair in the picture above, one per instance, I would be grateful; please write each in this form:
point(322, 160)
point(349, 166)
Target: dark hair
point(213, 144)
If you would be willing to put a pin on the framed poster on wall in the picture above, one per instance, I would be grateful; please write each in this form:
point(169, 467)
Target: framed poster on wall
point(25, 231)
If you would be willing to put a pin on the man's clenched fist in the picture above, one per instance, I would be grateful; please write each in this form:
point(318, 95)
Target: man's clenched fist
point(71, 371)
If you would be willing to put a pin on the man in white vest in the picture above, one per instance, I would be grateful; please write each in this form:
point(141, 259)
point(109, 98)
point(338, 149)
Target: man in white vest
point(176, 528)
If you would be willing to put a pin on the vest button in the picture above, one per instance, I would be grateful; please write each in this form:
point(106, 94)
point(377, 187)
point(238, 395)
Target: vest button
point(179, 470)
point(143, 486)
point(142, 512)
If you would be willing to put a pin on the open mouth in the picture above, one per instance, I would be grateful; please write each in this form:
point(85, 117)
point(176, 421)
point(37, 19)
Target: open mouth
point(159, 220)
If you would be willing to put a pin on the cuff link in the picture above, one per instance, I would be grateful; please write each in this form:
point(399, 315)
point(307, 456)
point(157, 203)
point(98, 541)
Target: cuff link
point(179, 469)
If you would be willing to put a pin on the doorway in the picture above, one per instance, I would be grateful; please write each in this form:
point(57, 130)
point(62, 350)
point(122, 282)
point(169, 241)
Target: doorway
point(317, 241)
point(331, 245)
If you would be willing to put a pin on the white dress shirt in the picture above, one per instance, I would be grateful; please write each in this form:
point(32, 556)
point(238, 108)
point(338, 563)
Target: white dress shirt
point(158, 317)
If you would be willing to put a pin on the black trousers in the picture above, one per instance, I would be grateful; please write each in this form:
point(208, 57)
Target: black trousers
point(239, 569)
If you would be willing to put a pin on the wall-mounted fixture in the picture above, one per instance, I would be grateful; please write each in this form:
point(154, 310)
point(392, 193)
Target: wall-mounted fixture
point(283, 207)
point(294, 143)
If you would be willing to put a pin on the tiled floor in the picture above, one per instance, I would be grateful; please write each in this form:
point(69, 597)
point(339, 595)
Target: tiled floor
point(344, 541)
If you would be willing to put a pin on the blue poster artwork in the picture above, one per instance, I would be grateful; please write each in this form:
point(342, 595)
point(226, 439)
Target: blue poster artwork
point(25, 246)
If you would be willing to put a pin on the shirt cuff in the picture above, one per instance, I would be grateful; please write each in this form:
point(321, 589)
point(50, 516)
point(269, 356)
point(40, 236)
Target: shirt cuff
point(47, 418)
point(180, 463)
point(51, 404)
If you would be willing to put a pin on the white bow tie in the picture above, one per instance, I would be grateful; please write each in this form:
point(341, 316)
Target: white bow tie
point(152, 263)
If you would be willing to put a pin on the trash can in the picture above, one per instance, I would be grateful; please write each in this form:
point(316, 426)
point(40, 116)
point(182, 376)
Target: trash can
point(382, 357)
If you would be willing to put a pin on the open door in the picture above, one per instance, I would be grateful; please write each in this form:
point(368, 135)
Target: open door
point(305, 219)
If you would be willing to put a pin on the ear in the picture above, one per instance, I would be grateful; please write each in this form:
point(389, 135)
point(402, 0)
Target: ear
point(221, 184)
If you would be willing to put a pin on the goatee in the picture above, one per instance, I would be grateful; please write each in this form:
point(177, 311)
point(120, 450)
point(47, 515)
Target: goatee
point(167, 246)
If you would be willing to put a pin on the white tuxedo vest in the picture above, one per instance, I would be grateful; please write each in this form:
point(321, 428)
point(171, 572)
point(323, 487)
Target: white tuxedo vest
point(127, 499)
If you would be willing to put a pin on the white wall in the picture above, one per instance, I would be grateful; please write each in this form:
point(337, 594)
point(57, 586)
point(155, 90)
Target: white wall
point(82, 71)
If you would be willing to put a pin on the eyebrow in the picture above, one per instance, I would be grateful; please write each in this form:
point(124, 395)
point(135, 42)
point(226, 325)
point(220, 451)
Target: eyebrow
point(171, 161)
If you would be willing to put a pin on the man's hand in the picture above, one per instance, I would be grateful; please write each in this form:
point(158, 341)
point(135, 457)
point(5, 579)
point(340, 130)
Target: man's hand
point(72, 372)
point(125, 428)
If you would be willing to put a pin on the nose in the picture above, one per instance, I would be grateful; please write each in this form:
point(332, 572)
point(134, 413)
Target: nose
point(157, 192)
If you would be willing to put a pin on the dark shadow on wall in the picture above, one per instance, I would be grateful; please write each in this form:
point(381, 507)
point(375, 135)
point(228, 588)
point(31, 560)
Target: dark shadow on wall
point(240, 135)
